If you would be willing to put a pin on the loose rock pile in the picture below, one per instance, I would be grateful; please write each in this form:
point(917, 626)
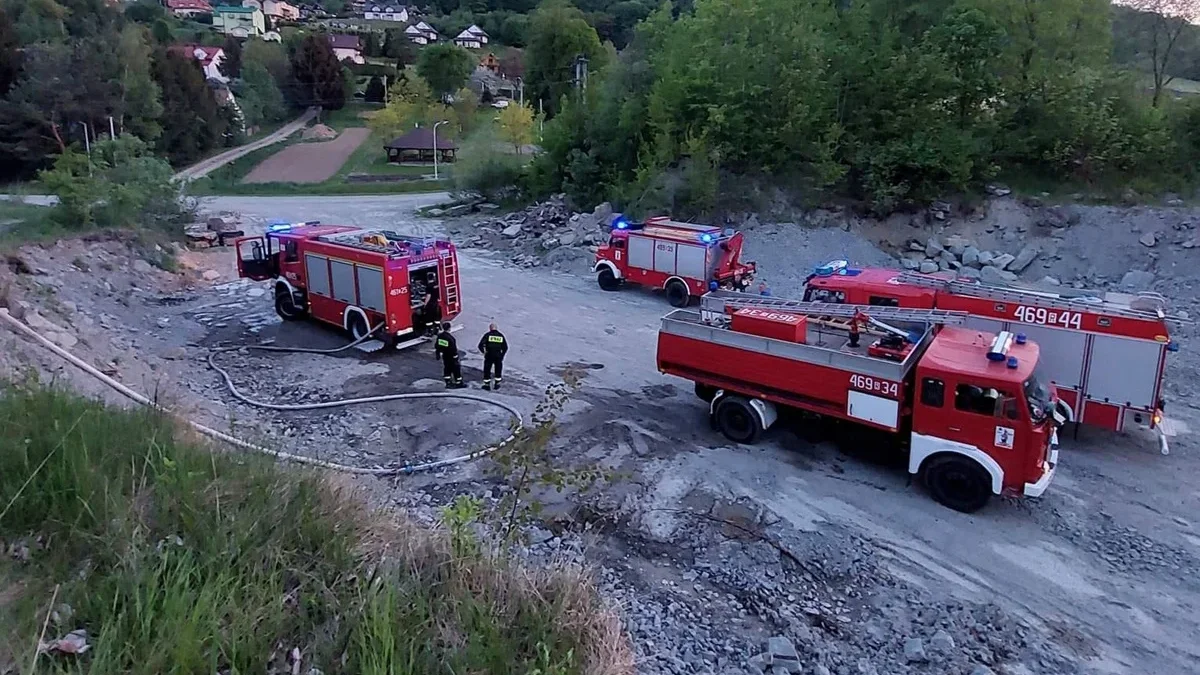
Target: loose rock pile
point(548, 232)
point(959, 254)
point(214, 231)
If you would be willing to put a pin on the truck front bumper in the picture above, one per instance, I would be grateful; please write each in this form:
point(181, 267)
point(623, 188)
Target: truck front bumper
point(1036, 489)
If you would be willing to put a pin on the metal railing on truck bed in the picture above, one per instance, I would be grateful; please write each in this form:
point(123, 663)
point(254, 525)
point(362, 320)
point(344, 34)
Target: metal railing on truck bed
point(691, 324)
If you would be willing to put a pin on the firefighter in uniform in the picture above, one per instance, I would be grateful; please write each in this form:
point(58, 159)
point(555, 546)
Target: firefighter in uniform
point(494, 346)
point(446, 350)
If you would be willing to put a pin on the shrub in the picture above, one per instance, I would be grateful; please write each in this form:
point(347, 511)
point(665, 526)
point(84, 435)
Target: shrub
point(120, 184)
point(484, 167)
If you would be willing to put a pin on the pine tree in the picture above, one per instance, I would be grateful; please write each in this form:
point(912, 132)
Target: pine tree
point(10, 55)
point(317, 74)
point(231, 66)
point(192, 122)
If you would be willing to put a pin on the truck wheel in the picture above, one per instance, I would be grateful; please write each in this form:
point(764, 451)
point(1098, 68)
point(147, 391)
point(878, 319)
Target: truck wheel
point(607, 280)
point(958, 483)
point(737, 420)
point(677, 294)
point(358, 326)
point(705, 393)
point(285, 305)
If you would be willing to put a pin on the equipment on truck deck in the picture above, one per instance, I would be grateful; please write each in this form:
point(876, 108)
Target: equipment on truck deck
point(356, 279)
point(1106, 352)
point(684, 259)
point(969, 408)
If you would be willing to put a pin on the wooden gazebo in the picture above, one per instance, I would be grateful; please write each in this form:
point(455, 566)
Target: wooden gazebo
point(418, 146)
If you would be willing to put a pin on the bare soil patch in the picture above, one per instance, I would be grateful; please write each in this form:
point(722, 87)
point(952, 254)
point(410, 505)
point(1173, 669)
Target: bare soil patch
point(308, 162)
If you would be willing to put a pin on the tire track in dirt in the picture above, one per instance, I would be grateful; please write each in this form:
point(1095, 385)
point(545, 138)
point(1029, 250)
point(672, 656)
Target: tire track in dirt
point(308, 162)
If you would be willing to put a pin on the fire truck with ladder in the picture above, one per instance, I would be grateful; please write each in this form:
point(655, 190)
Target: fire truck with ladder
point(355, 279)
point(686, 260)
point(1104, 353)
point(971, 409)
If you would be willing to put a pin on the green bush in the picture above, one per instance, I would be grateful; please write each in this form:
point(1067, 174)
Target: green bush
point(120, 184)
point(483, 166)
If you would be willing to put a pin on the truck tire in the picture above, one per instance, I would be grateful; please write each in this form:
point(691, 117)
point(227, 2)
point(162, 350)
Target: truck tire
point(285, 305)
point(677, 294)
point(738, 421)
point(357, 325)
point(705, 393)
point(958, 483)
point(607, 280)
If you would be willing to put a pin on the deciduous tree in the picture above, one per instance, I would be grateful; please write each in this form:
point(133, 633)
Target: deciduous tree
point(558, 35)
point(516, 125)
point(445, 67)
point(1164, 24)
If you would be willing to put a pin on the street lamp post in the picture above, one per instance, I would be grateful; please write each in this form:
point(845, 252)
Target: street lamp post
point(435, 153)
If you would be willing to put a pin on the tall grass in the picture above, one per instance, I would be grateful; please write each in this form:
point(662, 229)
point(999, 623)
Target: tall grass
point(176, 559)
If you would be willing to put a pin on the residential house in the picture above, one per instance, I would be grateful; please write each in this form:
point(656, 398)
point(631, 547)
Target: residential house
point(276, 9)
point(421, 33)
point(210, 59)
point(189, 7)
point(240, 22)
point(490, 62)
point(495, 84)
point(397, 13)
point(347, 48)
point(471, 38)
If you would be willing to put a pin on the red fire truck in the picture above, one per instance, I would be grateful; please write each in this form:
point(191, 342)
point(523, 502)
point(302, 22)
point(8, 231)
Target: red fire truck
point(970, 408)
point(684, 259)
point(353, 278)
point(1105, 353)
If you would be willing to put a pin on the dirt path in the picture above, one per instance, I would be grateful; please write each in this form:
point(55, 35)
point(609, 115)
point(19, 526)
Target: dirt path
point(309, 162)
point(205, 167)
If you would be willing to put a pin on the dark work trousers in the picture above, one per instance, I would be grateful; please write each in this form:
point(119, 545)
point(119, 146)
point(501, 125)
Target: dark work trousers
point(490, 362)
point(451, 370)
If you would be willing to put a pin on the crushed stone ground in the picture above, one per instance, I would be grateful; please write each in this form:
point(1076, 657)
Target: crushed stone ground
point(711, 549)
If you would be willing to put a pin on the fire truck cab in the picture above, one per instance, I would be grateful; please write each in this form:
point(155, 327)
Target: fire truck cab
point(970, 409)
point(686, 260)
point(1105, 352)
point(364, 281)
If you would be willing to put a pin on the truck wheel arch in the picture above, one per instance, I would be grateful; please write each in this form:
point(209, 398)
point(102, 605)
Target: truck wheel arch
point(764, 411)
point(287, 285)
point(687, 292)
point(926, 448)
point(606, 264)
point(355, 310)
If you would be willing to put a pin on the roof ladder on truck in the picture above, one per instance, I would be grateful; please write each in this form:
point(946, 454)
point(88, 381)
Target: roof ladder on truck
point(1040, 299)
point(449, 281)
point(718, 303)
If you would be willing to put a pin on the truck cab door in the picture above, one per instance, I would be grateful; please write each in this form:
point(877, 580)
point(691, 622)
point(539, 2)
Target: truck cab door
point(255, 259)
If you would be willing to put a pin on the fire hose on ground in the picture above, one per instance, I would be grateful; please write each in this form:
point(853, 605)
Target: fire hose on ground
point(24, 329)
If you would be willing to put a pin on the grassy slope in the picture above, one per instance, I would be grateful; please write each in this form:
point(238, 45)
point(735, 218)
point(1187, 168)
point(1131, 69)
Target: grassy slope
point(176, 559)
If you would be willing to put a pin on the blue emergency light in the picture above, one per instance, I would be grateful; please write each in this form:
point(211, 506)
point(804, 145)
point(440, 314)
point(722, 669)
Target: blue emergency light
point(1012, 362)
point(1021, 338)
point(1172, 346)
point(279, 226)
point(620, 223)
point(707, 238)
point(831, 268)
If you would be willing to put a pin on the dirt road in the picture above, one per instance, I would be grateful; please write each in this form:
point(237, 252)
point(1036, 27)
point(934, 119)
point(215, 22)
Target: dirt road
point(308, 162)
point(710, 547)
point(205, 167)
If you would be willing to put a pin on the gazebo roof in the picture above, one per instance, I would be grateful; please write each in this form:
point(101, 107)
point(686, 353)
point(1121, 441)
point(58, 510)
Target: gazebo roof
point(420, 138)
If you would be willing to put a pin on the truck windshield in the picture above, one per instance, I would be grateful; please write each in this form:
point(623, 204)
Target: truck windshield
point(1040, 399)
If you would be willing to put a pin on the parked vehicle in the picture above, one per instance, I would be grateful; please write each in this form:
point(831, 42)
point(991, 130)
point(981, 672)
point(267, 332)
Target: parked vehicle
point(1105, 353)
point(356, 279)
point(971, 410)
point(684, 259)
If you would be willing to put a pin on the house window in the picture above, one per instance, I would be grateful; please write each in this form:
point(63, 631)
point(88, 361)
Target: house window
point(933, 392)
point(881, 301)
point(978, 400)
